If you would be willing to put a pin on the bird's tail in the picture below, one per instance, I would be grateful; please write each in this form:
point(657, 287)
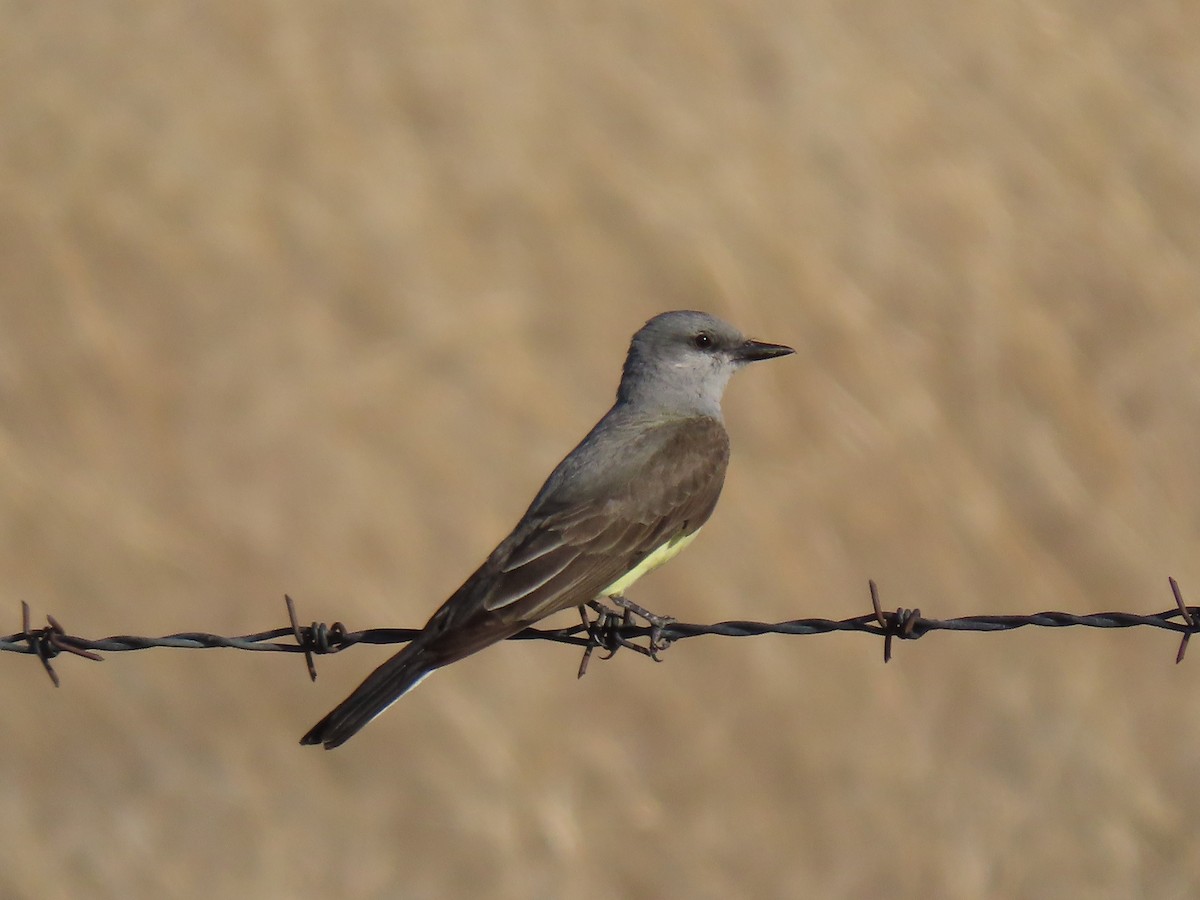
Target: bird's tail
point(381, 689)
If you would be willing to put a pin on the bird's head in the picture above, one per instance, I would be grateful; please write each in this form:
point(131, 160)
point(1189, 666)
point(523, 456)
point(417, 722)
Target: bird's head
point(679, 362)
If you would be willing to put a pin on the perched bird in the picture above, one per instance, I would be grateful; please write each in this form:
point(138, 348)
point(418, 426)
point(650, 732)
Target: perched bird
point(634, 493)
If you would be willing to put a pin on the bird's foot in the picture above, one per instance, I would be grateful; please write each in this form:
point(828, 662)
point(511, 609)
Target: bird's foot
point(602, 631)
point(606, 629)
point(657, 623)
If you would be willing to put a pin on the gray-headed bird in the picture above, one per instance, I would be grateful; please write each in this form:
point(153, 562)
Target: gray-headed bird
point(634, 493)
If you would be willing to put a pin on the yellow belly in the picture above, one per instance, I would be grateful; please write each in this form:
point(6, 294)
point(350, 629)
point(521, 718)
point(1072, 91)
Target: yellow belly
point(663, 554)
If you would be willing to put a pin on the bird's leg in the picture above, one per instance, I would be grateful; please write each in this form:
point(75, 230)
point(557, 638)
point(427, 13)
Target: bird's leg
point(605, 628)
point(600, 632)
point(657, 623)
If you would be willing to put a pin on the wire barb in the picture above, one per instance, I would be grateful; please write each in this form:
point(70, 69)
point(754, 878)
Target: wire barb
point(46, 643)
point(1187, 616)
point(608, 631)
point(302, 639)
point(902, 623)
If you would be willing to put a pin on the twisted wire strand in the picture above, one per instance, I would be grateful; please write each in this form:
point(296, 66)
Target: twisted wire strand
point(608, 631)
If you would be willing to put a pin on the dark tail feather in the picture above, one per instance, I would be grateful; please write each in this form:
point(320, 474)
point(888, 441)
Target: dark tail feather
point(381, 689)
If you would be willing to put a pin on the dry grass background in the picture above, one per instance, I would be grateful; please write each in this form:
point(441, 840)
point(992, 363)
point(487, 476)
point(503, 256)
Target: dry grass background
point(309, 298)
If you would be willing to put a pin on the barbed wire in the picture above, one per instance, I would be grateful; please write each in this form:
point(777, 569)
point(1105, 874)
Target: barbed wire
point(609, 631)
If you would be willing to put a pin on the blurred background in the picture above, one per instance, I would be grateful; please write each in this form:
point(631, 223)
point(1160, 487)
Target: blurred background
point(310, 298)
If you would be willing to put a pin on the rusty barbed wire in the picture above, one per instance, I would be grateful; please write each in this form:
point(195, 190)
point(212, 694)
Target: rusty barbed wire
point(609, 631)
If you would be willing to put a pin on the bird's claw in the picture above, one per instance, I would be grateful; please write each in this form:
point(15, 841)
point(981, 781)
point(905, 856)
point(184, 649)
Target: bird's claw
point(605, 630)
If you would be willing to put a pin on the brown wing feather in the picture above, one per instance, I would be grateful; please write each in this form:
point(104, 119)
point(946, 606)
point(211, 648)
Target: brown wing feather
point(564, 556)
point(673, 494)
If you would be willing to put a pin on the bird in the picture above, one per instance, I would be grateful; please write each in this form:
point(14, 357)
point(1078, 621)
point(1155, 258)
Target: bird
point(632, 494)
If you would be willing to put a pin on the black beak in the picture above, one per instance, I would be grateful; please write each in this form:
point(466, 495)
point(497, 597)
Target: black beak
point(753, 351)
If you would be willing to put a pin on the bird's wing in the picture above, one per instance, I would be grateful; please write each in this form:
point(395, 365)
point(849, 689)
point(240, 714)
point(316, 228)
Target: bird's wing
point(565, 556)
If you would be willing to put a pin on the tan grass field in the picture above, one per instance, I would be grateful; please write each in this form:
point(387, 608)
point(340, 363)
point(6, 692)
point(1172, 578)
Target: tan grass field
point(310, 297)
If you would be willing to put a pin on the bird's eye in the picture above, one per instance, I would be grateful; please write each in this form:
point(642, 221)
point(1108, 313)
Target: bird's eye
point(703, 340)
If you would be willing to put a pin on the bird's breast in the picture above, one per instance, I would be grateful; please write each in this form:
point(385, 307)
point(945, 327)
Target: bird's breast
point(655, 558)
